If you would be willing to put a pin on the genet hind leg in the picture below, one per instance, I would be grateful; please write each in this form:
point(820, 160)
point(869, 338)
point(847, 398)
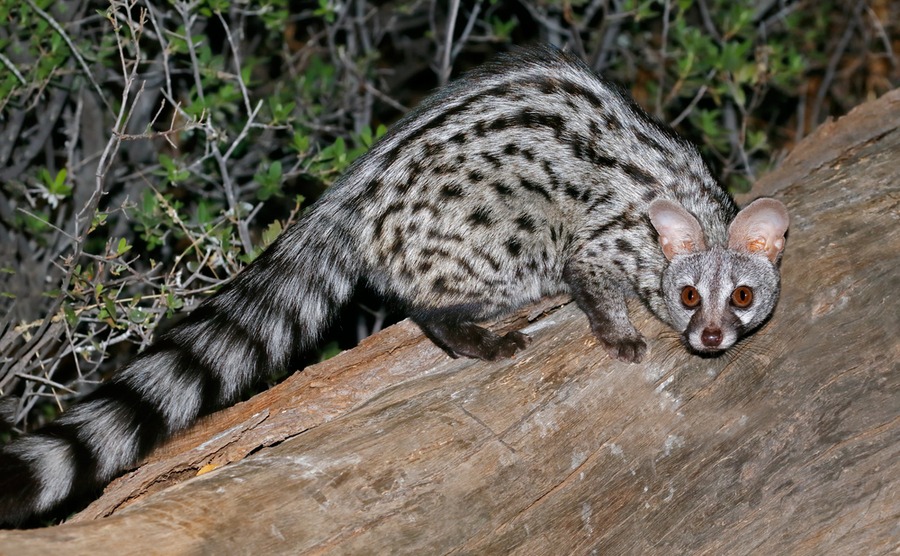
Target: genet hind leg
point(467, 339)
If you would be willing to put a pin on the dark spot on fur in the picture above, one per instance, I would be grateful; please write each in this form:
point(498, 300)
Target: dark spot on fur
point(577, 90)
point(612, 122)
point(397, 245)
point(513, 246)
point(651, 141)
point(640, 175)
point(487, 257)
point(379, 222)
point(431, 150)
point(578, 150)
point(624, 246)
point(481, 217)
point(493, 159)
point(602, 230)
point(500, 123)
point(373, 187)
point(419, 206)
point(551, 175)
point(439, 285)
point(444, 169)
point(630, 219)
point(533, 187)
point(600, 159)
point(501, 188)
point(451, 190)
point(548, 86)
point(500, 90)
point(526, 223)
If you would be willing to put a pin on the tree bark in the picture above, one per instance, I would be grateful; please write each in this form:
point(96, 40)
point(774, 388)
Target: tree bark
point(789, 444)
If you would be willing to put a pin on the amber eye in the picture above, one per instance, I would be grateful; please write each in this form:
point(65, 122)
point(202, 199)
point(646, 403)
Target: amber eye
point(690, 297)
point(742, 297)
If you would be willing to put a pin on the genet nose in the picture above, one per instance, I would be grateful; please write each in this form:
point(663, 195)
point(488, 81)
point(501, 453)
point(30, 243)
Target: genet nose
point(711, 337)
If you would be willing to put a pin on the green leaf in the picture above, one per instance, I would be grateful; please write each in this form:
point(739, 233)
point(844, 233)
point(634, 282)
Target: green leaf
point(98, 220)
point(122, 247)
point(274, 173)
point(269, 181)
point(502, 30)
point(734, 55)
point(300, 143)
point(58, 186)
point(325, 11)
point(137, 316)
point(205, 213)
point(271, 233)
point(71, 317)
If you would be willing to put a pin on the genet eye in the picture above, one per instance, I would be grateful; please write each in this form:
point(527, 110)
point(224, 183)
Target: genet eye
point(742, 297)
point(690, 297)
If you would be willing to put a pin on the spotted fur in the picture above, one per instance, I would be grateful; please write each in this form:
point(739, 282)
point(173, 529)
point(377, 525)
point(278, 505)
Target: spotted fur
point(529, 176)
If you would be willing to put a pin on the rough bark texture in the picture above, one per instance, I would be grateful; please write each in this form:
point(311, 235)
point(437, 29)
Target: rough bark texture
point(788, 445)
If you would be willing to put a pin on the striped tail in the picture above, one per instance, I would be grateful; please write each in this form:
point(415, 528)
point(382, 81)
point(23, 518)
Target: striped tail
point(252, 328)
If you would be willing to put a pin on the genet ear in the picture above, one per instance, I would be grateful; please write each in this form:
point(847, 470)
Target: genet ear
point(679, 232)
point(760, 228)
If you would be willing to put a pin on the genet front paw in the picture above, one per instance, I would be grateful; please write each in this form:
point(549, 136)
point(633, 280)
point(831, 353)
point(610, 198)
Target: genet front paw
point(628, 348)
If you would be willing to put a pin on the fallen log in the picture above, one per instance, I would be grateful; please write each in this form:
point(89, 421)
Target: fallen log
point(788, 444)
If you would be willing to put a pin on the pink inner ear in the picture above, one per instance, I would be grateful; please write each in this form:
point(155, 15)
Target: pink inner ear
point(679, 232)
point(760, 228)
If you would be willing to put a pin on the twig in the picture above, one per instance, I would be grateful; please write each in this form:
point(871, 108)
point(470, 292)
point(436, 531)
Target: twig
point(45, 381)
point(164, 47)
point(448, 42)
point(467, 30)
point(243, 134)
point(700, 92)
point(184, 9)
point(661, 76)
point(237, 63)
point(545, 21)
point(12, 68)
point(708, 22)
point(883, 36)
point(611, 26)
point(834, 61)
